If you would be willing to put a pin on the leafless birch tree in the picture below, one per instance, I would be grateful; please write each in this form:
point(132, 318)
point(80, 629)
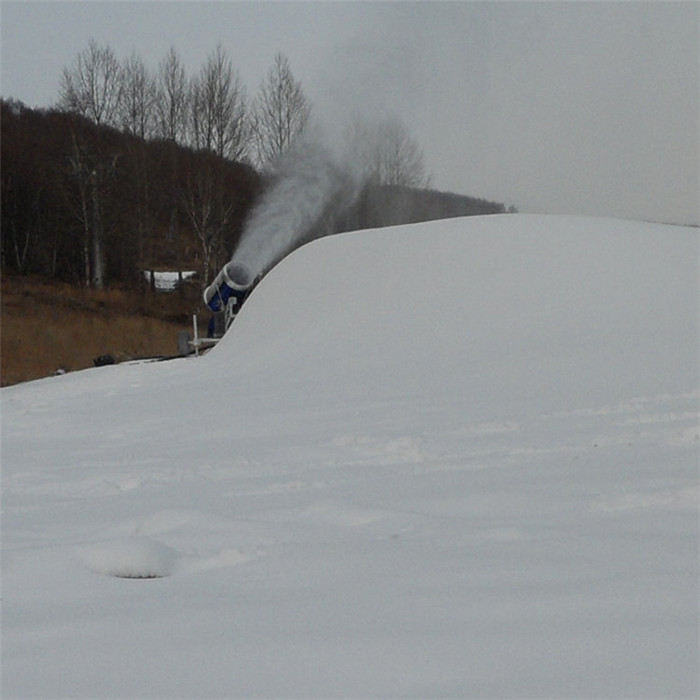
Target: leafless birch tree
point(172, 95)
point(208, 208)
point(281, 112)
point(386, 153)
point(138, 98)
point(218, 109)
point(92, 86)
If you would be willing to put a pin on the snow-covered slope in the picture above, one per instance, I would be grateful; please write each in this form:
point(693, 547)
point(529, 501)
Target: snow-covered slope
point(450, 459)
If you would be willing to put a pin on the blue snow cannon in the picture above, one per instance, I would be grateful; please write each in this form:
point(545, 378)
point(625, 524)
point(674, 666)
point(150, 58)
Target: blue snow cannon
point(232, 284)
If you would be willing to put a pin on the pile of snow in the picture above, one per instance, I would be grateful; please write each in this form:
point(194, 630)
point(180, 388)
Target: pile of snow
point(454, 459)
point(508, 307)
point(130, 557)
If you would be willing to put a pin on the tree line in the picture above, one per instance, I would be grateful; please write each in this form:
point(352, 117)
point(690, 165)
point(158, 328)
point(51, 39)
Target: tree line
point(209, 111)
point(212, 110)
point(92, 205)
point(134, 169)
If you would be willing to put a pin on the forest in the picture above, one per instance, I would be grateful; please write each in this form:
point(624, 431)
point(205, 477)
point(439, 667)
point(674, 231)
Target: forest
point(91, 205)
point(133, 171)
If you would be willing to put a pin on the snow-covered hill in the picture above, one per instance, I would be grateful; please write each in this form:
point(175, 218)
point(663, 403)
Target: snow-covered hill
point(449, 459)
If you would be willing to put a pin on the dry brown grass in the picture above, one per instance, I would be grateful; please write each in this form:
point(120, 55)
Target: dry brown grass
point(47, 327)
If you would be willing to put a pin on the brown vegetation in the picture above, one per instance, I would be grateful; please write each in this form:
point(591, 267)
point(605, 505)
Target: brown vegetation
point(51, 326)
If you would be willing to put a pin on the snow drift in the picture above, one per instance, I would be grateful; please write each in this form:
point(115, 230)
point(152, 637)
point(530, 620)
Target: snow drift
point(565, 310)
point(454, 459)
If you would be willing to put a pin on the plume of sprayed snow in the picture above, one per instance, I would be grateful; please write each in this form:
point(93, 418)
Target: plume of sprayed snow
point(306, 181)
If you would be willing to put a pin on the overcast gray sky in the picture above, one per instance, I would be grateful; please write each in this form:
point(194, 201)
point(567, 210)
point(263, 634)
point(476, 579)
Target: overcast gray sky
point(558, 107)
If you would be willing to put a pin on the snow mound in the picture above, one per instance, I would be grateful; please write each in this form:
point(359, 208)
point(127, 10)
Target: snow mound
point(132, 557)
point(509, 306)
point(455, 459)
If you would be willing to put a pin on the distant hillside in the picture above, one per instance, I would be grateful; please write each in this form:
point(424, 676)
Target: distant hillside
point(389, 205)
point(378, 206)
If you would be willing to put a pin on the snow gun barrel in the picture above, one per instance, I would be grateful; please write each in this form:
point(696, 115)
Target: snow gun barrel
point(234, 280)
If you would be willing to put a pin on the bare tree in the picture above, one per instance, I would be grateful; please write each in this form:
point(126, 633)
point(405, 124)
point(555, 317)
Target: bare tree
point(137, 116)
point(386, 154)
point(172, 96)
point(199, 125)
point(138, 98)
point(218, 108)
point(92, 86)
point(281, 112)
point(91, 171)
point(208, 208)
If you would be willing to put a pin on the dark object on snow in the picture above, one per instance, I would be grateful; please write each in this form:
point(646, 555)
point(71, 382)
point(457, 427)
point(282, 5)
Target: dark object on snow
point(103, 360)
point(184, 347)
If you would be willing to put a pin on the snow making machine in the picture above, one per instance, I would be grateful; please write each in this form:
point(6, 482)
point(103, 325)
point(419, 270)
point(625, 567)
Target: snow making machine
point(224, 298)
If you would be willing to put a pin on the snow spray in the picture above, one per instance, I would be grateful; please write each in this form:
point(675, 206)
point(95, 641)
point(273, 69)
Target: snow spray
point(305, 183)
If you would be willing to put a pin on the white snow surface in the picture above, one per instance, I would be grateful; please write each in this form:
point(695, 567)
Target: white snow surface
point(453, 459)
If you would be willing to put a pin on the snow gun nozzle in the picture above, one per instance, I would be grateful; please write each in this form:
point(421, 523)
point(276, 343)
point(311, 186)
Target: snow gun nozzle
point(234, 280)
